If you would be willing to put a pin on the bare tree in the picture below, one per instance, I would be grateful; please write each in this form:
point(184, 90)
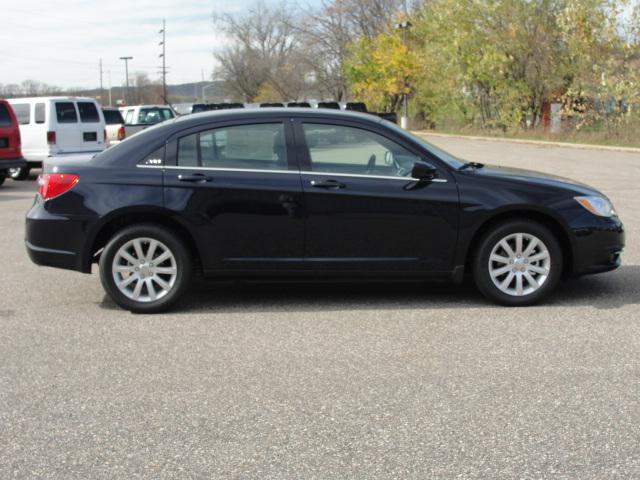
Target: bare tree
point(326, 33)
point(264, 53)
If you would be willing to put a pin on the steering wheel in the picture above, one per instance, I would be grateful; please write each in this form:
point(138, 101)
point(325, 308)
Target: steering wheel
point(372, 164)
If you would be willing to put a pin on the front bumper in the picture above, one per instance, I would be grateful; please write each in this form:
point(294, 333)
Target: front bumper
point(598, 248)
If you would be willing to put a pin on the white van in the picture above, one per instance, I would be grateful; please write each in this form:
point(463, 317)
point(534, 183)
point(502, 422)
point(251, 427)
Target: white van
point(52, 126)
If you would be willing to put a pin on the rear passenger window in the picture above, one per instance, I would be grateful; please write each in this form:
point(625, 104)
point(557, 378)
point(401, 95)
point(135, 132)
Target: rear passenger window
point(188, 151)
point(259, 146)
point(23, 112)
point(5, 119)
point(39, 113)
point(88, 112)
point(66, 112)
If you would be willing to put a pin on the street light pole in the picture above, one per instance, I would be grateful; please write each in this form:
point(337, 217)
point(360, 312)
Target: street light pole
point(204, 97)
point(126, 72)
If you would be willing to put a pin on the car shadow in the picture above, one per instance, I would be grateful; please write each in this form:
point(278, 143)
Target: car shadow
point(606, 291)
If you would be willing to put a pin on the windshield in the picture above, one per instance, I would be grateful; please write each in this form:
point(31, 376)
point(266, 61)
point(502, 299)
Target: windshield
point(446, 157)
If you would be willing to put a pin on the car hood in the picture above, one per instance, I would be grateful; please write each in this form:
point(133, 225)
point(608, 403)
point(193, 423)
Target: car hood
point(532, 177)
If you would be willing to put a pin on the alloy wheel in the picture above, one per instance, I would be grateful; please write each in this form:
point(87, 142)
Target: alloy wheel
point(519, 264)
point(144, 269)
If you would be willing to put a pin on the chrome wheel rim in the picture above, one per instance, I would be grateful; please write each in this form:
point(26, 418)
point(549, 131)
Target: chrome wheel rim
point(144, 269)
point(519, 264)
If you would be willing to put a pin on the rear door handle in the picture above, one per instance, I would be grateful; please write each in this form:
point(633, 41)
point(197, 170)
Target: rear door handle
point(329, 184)
point(195, 178)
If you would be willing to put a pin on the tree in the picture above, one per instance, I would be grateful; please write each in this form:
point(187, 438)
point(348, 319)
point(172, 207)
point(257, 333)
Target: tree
point(381, 70)
point(263, 50)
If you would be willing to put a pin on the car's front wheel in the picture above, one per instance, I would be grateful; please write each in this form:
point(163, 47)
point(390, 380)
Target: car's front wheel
point(518, 263)
point(145, 268)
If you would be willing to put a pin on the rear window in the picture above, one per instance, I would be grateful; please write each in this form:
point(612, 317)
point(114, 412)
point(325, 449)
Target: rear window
point(88, 112)
point(66, 112)
point(112, 117)
point(39, 113)
point(151, 116)
point(5, 119)
point(23, 112)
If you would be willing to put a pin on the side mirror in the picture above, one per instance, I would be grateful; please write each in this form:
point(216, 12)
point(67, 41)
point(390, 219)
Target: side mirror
point(423, 171)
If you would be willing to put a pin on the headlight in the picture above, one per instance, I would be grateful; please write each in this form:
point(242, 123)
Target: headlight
point(599, 206)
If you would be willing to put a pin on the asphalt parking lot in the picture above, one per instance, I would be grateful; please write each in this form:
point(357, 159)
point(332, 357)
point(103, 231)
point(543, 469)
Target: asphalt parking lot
point(326, 381)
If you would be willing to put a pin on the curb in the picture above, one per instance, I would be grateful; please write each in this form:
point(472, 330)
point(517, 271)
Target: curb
point(581, 146)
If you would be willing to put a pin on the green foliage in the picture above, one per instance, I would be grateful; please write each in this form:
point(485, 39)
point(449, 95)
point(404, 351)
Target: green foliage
point(494, 63)
point(381, 69)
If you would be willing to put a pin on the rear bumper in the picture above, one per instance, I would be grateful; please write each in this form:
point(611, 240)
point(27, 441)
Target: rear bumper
point(50, 257)
point(56, 240)
point(599, 248)
point(12, 163)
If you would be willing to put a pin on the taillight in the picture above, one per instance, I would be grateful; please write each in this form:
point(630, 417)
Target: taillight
point(51, 138)
point(121, 133)
point(53, 184)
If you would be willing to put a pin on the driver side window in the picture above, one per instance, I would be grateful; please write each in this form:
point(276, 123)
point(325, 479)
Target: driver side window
point(350, 150)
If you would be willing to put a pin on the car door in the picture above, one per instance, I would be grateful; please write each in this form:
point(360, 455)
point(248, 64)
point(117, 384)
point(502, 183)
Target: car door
point(363, 211)
point(238, 186)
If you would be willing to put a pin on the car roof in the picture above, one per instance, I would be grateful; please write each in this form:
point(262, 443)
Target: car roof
point(196, 119)
point(44, 99)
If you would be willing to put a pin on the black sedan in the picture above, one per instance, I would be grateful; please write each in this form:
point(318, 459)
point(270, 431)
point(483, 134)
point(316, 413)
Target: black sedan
point(313, 193)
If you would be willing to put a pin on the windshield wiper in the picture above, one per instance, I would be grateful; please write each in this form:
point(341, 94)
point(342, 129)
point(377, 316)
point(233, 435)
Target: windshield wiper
point(471, 165)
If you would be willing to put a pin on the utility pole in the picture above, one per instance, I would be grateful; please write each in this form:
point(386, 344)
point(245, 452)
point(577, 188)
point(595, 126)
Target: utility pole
point(126, 72)
point(164, 61)
point(110, 99)
point(101, 89)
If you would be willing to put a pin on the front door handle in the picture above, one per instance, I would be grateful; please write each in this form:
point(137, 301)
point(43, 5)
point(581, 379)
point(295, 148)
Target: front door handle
point(329, 184)
point(195, 178)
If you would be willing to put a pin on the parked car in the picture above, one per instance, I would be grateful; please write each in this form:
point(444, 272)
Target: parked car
point(10, 151)
point(271, 104)
point(329, 105)
point(53, 126)
point(139, 117)
point(311, 193)
point(114, 126)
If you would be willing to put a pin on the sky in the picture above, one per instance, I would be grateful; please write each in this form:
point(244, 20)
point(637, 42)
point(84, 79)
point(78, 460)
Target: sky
point(60, 42)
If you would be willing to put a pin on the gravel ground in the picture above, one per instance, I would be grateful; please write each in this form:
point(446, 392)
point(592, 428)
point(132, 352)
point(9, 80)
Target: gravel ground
point(326, 381)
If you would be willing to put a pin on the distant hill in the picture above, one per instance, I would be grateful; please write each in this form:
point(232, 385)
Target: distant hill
point(181, 93)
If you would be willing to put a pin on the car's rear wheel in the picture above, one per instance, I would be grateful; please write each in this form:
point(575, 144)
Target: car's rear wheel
point(145, 268)
point(518, 263)
point(20, 173)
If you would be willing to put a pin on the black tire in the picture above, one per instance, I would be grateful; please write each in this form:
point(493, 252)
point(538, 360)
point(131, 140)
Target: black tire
point(183, 260)
point(21, 173)
point(3, 176)
point(481, 266)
